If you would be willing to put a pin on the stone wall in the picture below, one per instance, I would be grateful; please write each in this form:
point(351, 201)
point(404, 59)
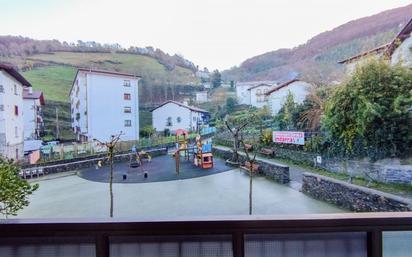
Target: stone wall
point(352, 197)
point(90, 162)
point(381, 172)
point(276, 171)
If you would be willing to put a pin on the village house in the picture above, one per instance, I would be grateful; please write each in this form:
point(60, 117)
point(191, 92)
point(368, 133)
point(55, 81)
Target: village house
point(12, 84)
point(277, 96)
point(243, 94)
point(201, 97)
point(32, 113)
point(104, 103)
point(173, 115)
point(398, 51)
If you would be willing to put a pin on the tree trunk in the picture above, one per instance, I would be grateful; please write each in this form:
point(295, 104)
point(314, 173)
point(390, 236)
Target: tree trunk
point(111, 182)
point(250, 187)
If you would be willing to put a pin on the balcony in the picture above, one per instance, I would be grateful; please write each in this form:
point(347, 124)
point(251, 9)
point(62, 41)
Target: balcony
point(346, 235)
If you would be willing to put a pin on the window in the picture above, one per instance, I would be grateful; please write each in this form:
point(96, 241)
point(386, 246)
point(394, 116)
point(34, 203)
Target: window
point(127, 96)
point(169, 122)
point(1, 89)
point(1, 107)
point(127, 109)
point(15, 89)
point(258, 91)
point(16, 132)
point(179, 119)
point(127, 123)
point(126, 83)
point(16, 110)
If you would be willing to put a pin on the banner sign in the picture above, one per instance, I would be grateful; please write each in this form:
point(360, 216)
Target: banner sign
point(289, 137)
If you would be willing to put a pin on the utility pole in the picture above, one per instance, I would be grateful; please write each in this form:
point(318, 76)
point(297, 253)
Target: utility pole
point(57, 124)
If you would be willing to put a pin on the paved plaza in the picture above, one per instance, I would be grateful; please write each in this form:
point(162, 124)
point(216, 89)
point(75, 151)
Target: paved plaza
point(224, 193)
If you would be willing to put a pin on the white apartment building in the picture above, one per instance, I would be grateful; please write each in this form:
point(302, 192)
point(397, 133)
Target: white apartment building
point(104, 103)
point(174, 115)
point(32, 110)
point(201, 97)
point(243, 94)
point(11, 112)
point(277, 96)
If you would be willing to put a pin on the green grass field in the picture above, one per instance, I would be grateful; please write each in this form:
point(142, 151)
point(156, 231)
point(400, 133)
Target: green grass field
point(54, 81)
point(149, 68)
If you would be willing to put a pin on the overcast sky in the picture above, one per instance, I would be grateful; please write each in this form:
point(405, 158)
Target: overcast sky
point(213, 33)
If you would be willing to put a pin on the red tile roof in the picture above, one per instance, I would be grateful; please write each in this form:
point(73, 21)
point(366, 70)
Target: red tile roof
point(15, 74)
point(195, 109)
point(259, 85)
point(34, 95)
point(378, 49)
point(281, 86)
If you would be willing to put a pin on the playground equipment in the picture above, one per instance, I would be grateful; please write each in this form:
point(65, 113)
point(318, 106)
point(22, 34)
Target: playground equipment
point(202, 153)
point(181, 147)
point(203, 156)
point(136, 159)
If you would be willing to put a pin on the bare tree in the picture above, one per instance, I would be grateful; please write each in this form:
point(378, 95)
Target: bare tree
point(236, 132)
point(252, 160)
point(111, 145)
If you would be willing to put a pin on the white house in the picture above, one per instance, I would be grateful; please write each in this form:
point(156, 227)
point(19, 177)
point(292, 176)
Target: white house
point(243, 94)
point(32, 110)
point(11, 112)
point(174, 115)
point(201, 97)
point(104, 103)
point(276, 97)
point(258, 96)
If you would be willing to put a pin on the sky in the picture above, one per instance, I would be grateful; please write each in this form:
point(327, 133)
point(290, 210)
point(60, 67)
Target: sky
point(217, 34)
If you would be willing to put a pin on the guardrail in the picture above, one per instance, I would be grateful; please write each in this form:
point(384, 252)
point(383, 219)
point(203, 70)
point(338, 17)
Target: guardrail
point(361, 235)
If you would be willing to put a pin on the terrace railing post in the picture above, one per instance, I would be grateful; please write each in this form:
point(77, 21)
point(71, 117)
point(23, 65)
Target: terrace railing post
point(375, 240)
point(238, 243)
point(102, 246)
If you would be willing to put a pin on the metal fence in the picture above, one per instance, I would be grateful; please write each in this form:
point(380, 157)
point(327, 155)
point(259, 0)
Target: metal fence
point(75, 150)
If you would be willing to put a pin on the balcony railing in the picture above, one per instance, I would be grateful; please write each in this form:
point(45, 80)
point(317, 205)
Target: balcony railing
point(334, 235)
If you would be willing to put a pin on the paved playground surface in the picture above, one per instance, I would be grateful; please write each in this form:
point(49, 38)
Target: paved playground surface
point(162, 168)
point(225, 193)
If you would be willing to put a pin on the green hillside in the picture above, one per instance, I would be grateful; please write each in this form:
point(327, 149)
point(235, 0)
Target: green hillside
point(53, 73)
point(54, 81)
point(151, 70)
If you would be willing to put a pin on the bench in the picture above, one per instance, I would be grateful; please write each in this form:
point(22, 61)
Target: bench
point(248, 147)
point(247, 166)
point(268, 152)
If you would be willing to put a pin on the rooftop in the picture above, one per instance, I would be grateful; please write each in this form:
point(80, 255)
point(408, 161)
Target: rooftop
point(195, 109)
point(281, 86)
point(15, 74)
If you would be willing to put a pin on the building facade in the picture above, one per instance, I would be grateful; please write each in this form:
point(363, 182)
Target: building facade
point(258, 96)
point(173, 115)
point(104, 103)
point(32, 113)
point(277, 96)
point(11, 113)
point(201, 97)
point(243, 94)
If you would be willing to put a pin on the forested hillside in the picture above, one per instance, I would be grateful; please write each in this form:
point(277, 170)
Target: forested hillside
point(316, 60)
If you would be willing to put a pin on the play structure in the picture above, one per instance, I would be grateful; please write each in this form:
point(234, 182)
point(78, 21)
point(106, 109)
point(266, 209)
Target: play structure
point(136, 159)
point(202, 152)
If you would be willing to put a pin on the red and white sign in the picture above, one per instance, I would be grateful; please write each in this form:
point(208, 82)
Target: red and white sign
point(289, 137)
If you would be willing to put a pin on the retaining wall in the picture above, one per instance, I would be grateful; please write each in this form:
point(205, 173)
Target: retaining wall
point(276, 171)
point(352, 197)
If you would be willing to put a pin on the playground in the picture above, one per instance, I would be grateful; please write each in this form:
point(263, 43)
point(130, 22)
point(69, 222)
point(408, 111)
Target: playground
point(160, 168)
point(184, 162)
